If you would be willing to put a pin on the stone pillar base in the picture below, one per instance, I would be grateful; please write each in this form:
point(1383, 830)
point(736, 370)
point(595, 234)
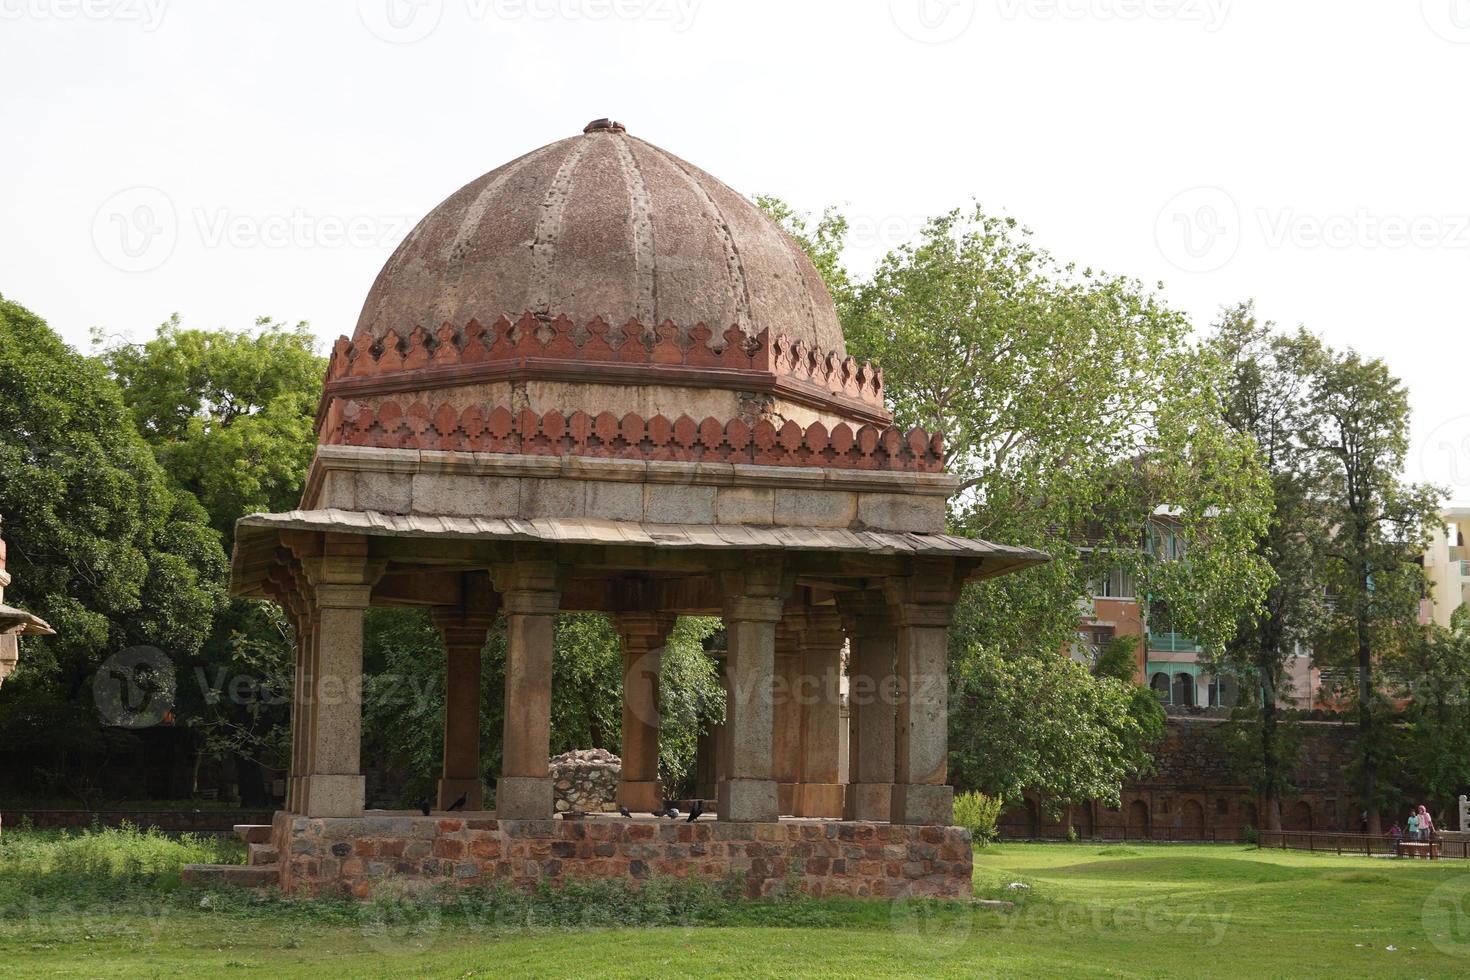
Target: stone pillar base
point(334, 795)
point(868, 801)
point(640, 795)
point(524, 798)
point(920, 803)
point(452, 789)
point(748, 800)
point(819, 800)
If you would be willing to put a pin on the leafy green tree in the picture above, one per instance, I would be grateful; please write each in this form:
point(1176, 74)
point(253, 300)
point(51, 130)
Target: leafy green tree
point(822, 240)
point(229, 413)
point(1356, 433)
point(101, 544)
point(1267, 399)
point(1436, 731)
point(1045, 724)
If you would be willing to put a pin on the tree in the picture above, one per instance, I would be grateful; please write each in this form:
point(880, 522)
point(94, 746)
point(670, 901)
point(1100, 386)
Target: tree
point(1266, 399)
point(229, 413)
point(101, 544)
point(1073, 405)
point(1356, 434)
point(1436, 732)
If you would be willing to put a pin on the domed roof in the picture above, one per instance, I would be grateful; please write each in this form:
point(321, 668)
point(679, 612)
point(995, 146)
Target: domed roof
point(603, 225)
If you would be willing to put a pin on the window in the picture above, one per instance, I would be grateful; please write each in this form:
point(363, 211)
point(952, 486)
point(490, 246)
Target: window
point(1222, 807)
point(1115, 584)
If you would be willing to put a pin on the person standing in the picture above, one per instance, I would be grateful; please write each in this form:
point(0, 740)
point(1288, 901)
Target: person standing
point(1426, 824)
point(1412, 827)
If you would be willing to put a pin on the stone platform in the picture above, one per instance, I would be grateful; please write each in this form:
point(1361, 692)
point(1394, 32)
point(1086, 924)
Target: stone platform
point(348, 856)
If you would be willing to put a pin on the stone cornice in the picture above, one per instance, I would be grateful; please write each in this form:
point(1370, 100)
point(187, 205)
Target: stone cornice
point(595, 353)
point(340, 458)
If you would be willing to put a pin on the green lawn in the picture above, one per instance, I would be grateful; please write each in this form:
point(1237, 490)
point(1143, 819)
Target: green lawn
point(1091, 910)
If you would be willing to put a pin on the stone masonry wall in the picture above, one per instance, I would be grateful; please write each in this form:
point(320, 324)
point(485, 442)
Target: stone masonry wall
point(348, 856)
point(586, 780)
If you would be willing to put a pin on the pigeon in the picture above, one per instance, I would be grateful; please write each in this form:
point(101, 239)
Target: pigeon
point(662, 811)
point(672, 812)
point(459, 803)
point(624, 810)
point(426, 804)
point(695, 811)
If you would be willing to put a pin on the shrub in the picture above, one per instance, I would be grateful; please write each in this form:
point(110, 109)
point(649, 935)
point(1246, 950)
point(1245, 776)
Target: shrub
point(978, 813)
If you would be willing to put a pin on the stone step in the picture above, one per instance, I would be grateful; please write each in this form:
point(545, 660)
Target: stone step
point(231, 875)
point(253, 833)
point(263, 854)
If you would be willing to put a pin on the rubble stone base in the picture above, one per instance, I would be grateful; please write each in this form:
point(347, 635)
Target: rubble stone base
point(349, 856)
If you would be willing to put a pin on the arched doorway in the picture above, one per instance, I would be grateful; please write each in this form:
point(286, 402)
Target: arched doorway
point(1082, 820)
point(1136, 821)
point(1191, 821)
point(1018, 820)
point(1160, 684)
point(1301, 815)
point(1184, 690)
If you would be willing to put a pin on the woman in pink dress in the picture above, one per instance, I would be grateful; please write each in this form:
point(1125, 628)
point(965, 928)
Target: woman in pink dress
point(1426, 824)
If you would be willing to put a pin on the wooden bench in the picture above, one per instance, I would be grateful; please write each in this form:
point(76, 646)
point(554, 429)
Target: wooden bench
point(1419, 849)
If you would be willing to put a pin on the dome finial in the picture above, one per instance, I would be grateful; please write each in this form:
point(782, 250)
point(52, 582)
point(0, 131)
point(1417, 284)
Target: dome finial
point(611, 125)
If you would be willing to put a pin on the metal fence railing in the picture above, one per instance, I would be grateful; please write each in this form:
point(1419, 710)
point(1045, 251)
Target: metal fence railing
point(1346, 843)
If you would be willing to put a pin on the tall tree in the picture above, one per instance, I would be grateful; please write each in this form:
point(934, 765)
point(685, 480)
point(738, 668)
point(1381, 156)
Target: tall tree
point(1073, 405)
point(101, 544)
point(1266, 399)
point(1357, 434)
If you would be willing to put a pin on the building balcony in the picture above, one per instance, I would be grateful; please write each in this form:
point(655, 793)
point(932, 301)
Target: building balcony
point(1173, 643)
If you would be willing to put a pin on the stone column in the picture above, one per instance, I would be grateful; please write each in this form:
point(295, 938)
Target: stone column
point(923, 606)
point(820, 792)
point(871, 694)
point(530, 597)
point(342, 579)
point(643, 636)
point(464, 628)
point(786, 709)
point(754, 597)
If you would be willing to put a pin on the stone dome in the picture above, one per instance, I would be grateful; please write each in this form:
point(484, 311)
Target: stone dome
point(603, 225)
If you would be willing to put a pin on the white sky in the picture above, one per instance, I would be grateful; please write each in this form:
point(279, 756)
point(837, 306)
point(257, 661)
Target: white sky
point(1310, 154)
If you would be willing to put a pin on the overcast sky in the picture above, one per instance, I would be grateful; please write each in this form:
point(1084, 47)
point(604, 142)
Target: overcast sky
point(231, 160)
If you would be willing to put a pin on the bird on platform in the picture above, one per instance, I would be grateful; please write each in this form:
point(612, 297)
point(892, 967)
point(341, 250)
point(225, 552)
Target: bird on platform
point(459, 803)
point(426, 804)
point(624, 810)
point(672, 812)
point(695, 811)
point(662, 811)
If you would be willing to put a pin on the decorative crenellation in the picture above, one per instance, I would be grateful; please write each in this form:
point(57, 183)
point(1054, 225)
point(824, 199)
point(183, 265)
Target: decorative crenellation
point(663, 346)
point(387, 424)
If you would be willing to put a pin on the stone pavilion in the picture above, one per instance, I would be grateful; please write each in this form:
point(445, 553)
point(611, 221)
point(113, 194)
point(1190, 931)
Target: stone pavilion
point(598, 379)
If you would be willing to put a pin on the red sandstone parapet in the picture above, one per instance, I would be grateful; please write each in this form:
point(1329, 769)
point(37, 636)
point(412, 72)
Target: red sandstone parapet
point(477, 428)
point(450, 351)
point(348, 856)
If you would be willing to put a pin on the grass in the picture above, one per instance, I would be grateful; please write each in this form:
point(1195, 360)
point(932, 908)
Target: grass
point(108, 904)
